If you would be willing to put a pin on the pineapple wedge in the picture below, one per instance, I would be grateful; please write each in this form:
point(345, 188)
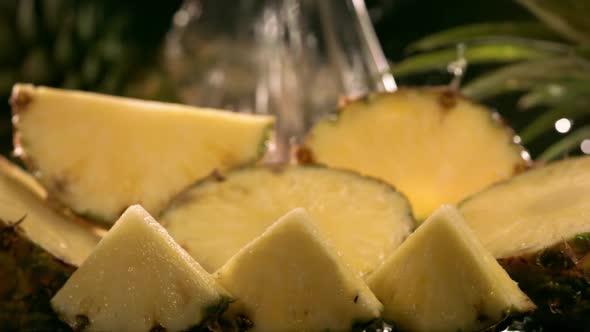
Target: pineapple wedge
point(442, 279)
point(99, 154)
point(139, 279)
point(290, 279)
point(433, 145)
point(39, 250)
point(538, 225)
point(364, 218)
point(21, 197)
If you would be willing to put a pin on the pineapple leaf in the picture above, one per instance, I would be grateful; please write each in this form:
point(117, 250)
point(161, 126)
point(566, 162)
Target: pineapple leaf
point(572, 110)
point(503, 50)
point(474, 32)
point(554, 93)
point(565, 145)
point(522, 76)
point(568, 17)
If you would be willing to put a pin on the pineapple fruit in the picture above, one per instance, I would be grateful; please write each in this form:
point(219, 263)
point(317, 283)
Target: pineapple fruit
point(538, 226)
point(290, 279)
point(364, 218)
point(433, 145)
point(99, 154)
point(39, 249)
point(139, 279)
point(442, 279)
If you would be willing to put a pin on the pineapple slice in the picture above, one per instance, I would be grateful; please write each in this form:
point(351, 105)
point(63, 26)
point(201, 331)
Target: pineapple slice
point(290, 279)
point(364, 218)
point(99, 154)
point(138, 279)
point(433, 145)
point(39, 250)
point(442, 279)
point(21, 197)
point(538, 226)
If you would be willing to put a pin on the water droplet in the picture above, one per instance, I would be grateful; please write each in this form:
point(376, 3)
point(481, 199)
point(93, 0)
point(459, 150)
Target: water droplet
point(563, 125)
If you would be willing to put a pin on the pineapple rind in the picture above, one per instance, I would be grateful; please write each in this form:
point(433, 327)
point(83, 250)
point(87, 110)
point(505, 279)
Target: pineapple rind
point(29, 276)
point(99, 154)
point(558, 280)
point(442, 279)
point(279, 285)
point(434, 145)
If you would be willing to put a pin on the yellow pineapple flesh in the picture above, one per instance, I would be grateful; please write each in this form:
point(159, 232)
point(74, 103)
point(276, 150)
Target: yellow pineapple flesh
point(434, 146)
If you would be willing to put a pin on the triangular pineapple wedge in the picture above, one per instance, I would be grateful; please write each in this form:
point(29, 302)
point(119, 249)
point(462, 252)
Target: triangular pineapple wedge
point(138, 279)
point(100, 154)
point(289, 279)
point(442, 279)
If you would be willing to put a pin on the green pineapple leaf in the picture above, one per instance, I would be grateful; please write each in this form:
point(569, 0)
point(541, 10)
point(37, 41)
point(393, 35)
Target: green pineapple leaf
point(478, 31)
point(554, 93)
point(540, 125)
point(525, 75)
point(565, 145)
point(504, 50)
point(567, 17)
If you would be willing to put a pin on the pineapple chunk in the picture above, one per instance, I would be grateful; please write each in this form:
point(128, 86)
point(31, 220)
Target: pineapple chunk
point(364, 218)
point(433, 145)
point(138, 279)
point(290, 279)
point(442, 279)
point(99, 154)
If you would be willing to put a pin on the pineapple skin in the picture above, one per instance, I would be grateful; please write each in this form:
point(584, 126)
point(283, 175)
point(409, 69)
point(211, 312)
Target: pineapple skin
point(557, 279)
point(29, 277)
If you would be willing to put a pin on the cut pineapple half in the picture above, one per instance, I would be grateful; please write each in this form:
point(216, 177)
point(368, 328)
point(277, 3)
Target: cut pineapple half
point(21, 198)
point(138, 279)
point(290, 279)
point(364, 218)
point(433, 145)
point(99, 154)
point(39, 250)
point(538, 226)
point(442, 279)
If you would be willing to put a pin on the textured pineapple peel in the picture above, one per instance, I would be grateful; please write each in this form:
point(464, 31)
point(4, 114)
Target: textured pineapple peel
point(534, 210)
point(138, 279)
point(291, 279)
point(99, 154)
point(442, 279)
point(433, 145)
point(364, 218)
